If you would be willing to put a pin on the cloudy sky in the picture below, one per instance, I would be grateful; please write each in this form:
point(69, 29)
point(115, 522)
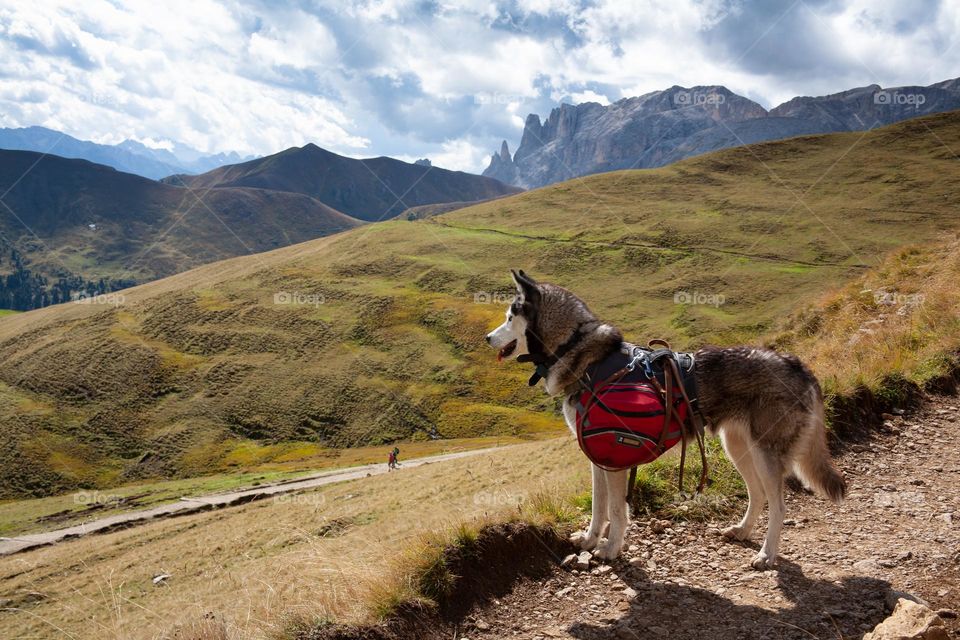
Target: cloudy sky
point(426, 78)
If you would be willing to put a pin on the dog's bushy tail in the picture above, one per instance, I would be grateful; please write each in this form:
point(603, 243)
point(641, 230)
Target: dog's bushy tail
point(823, 476)
point(814, 465)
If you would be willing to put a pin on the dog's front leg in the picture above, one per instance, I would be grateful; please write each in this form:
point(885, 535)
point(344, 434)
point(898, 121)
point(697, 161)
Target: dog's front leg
point(618, 512)
point(588, 539)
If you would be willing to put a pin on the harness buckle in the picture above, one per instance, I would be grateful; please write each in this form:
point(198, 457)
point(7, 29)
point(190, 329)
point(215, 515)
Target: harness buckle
point(639, 357)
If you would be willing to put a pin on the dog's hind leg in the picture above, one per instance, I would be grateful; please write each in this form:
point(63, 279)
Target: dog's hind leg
point(588, 539)
point(737, 447)
point(771, 471)
point(618, 512)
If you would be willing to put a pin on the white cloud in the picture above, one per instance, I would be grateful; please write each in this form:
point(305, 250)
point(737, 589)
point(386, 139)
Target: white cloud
point(172, 71)
point(461, 155)
point(301, 42)
point(589, 96)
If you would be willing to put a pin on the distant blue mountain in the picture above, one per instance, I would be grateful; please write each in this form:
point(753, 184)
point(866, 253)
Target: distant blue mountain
point(191, 159)
point(128, 156)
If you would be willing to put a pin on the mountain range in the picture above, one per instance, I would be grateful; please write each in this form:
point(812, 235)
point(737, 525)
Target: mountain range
point(129, 156)
point(71, 226)
point(370, 189)
point(661, 127)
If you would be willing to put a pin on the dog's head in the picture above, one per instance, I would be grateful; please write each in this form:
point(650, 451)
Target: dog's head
point(510, 338)
point(540, 318)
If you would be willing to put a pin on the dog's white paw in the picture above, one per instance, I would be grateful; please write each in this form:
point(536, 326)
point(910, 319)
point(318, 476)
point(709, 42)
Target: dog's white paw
point(584, 541)
point(607, 550)
point(735, 533)
point(762, 561)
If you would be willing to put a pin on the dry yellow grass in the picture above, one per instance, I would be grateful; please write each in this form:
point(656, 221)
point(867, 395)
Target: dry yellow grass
point(899, 321)
point(256, 567)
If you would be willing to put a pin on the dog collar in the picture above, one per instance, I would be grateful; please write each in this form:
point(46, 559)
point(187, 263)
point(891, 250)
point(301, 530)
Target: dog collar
point(544, 362)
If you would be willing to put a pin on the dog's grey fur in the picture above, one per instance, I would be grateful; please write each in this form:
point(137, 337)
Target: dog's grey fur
point(766, 407)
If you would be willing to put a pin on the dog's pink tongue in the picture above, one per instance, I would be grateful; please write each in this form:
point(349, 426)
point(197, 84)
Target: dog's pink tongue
point(500, 356)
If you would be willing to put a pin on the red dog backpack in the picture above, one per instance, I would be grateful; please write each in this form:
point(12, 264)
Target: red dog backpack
point(624, 424)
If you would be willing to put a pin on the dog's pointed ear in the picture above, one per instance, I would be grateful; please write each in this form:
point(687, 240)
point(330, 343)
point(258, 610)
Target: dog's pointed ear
point(526, 286)
point(521, 278)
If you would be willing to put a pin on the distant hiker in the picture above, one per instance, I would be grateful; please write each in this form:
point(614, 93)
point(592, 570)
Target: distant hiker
point(392, 461)
point(396, 456)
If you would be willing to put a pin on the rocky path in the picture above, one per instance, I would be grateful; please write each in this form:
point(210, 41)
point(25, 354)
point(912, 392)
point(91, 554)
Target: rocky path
point(898, 530)
point(213, 501)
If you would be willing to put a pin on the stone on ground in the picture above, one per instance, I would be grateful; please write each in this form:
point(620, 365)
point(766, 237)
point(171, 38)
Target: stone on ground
point(909, 621)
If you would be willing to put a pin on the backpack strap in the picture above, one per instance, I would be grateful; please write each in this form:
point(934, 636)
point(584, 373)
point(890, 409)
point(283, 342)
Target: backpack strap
point(674, 379)
point(693, 420)
point(631, 485)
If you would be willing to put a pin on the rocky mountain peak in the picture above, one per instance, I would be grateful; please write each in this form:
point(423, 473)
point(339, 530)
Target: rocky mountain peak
point(502, 166)
point(664, 126)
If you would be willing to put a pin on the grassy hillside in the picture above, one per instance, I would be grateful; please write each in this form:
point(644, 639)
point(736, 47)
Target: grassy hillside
point(376, 335)
point(896, 327)
point(73, 218)
point(370, 189)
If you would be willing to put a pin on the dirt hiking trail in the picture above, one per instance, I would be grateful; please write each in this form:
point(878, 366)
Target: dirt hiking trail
point(188, 505)
point(897, 530)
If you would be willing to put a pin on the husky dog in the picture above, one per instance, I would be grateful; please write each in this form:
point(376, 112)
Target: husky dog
point(767, 408)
